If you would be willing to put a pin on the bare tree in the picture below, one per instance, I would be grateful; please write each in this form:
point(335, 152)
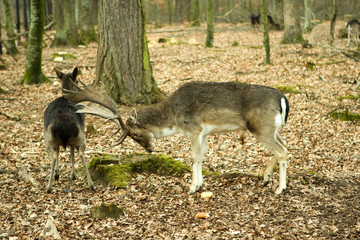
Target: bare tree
point(33, 72)
point(123, 61)
point(307, 20)
point(292, 31)
point(9, 26)
point(266, 39)
point(210, 24)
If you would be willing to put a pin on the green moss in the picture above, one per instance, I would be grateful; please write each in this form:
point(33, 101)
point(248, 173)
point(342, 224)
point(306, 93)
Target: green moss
point(161, 164)
point(351, 97)
point(255, 47)
point(310, 66)
point(235, 44)
point(64, 56)
point(287, 89)
point(346, 116)
point(116, 172)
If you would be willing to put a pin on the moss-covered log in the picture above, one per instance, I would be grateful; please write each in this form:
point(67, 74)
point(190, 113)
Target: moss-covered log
point(118, 172)
point(33, 72)
point(104, 211)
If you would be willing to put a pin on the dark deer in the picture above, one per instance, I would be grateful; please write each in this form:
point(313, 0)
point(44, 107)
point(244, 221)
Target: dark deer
point(353, 28)
point(64, 127)
point(198, 109)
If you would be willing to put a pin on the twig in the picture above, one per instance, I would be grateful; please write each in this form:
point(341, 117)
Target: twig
point(24, 175)
point(10, 117)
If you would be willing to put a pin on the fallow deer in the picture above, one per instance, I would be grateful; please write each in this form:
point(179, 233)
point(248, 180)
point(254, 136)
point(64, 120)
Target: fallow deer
point(198, 109)
point(353, 28)
point(64, 127)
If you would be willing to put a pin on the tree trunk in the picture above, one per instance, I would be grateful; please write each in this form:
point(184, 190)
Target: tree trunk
point(9, 26)
point(26, 19)
point(33, 72)
point(210, 24)
point(17, 16)
point(65, 24)
point(333, 20)
point(170, 10)
point(292, 31)
point(87, 30)
point(123, 61)
point(194, 13)
point(276, 9)
point(266, 39)
point(307, 23)
point(182, 10)
point(1, 52)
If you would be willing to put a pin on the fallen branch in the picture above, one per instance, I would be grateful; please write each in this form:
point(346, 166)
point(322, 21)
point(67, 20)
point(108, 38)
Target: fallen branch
point(343, 51)
point(240, 174)
point(15, 118)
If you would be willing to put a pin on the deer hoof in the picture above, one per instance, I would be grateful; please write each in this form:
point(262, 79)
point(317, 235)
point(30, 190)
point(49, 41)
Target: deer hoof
point(266, 183)
point(48, 190)
point(56, 177)
point(279, 190)
point(73, 176)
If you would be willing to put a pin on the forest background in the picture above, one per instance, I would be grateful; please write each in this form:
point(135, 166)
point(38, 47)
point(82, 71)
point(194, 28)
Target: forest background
point(320, 81)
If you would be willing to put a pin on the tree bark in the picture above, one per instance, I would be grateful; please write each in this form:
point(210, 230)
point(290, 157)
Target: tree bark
point(170, 10)
point(266, 39)
point(33, 72)
point(87, 30)
point(9, 26)
point(1, 52)
point(26, 19)
point(292, 31)
point(65, 24)
point(276, 9)
point(194, 13)
point(333, 20)
point(307, 22)
point(210, 24)
point(123, 61)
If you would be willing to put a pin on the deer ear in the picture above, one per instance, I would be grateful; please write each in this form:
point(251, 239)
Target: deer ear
point(133, 116)
point(59, 73)
point(74, 73)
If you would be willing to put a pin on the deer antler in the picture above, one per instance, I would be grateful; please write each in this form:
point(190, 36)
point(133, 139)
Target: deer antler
point(91, 94)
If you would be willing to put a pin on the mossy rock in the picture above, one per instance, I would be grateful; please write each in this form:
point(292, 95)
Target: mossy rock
point(346, 116)
point(104, 211)
point(287, 89)
point(117, 172)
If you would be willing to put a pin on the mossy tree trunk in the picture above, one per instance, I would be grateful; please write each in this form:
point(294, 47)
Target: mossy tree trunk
point(26, 18)
point(9, 26)
point(333, 20)
point(266, 39)
point(307, 21)
point(170, 10)
point(65, 24)
point(210, 24)
point(86, 24)
point(123, 61)
point(276, 9)
point(292, 31)
point(33, 72)
point(1, 52)
point(194, 13)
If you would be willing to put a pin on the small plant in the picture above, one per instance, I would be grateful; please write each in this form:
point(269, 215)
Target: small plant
point(345, 116)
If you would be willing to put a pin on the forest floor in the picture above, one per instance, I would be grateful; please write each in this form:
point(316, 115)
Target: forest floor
point(322, 199)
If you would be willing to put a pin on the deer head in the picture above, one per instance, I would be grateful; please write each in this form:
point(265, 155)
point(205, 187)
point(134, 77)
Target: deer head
point(130, 128)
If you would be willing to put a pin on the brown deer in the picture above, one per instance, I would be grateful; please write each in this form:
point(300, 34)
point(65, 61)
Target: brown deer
point(198, 109)
point(64, 127)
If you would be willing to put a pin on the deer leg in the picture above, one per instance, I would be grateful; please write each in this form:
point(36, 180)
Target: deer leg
point(269, 170)
point(57, 171)
point(280, 153)
point(81, 153)
point(54, 155)
point(198, 144)
point(72, 154)
point(348, 36)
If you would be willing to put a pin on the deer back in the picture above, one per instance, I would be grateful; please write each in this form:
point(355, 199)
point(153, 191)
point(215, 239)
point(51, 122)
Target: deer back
point(231, 103)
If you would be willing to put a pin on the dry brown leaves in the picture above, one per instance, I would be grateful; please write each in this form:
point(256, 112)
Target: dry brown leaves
point(322, 199)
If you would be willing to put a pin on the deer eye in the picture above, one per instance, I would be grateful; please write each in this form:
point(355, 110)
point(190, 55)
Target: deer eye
point(136, 134)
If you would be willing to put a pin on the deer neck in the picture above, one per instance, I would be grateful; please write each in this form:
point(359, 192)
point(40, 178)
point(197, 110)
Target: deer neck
point(159, 120)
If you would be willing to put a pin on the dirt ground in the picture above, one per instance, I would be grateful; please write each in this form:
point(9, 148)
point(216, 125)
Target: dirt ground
point(322, 199)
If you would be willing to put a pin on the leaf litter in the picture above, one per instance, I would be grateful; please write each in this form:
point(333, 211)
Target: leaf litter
point(322, 199)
